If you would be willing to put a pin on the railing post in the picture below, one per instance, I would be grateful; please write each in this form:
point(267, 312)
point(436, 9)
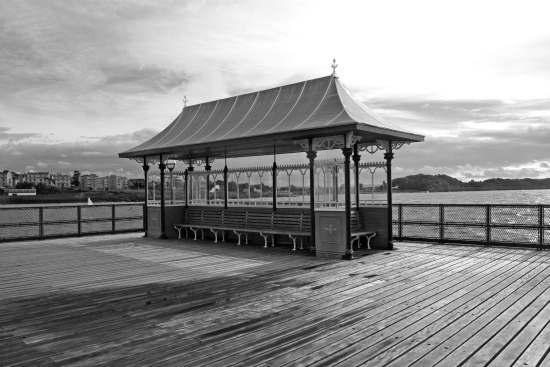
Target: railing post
point(400, 219)
point(41, 223)
point(113, 213)
point(441, 223)
point(541, 227)
point(79, 219)
point(488, 224)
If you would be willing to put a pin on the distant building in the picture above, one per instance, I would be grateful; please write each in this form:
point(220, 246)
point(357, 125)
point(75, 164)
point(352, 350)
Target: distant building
point(61, 181)
point(93, 182)
point(37, 177)
point(118, 183)
point(6, 179)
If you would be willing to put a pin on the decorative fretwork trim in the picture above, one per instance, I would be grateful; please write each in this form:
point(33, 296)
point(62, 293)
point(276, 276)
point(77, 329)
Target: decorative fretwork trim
point(137, 159)
point(381, 145)
point(329, 142)
point(302, 143)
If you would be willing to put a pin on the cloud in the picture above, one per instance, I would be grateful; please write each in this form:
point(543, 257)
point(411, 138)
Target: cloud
point(86, 80)
point(103, 157)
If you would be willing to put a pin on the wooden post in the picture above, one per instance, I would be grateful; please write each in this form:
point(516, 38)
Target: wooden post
point(145, 170)
point(347, 188)
point(311, 154)
point(162, 167)
point(388, 156)
point(356, 160)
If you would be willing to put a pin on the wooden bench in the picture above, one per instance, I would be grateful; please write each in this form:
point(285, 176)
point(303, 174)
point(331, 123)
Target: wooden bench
point(357, 230)
point(295, 225)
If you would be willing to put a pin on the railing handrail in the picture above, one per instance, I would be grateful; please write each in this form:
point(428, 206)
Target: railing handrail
point(517, 225)
point(39, 222)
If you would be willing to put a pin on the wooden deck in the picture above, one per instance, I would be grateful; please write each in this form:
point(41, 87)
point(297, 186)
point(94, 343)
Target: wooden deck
point(124, 300)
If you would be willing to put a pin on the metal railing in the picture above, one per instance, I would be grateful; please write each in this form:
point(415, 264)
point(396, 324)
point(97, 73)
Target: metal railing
point(511, 225)
point(40, 222)
point(265, 202)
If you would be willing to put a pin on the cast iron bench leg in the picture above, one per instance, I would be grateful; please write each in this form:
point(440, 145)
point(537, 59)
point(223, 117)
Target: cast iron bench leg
point(265, 238)
point(238, 234)
point(293, 238)
point(179, 230)
point(215, 231)
point(369, 238)
point(194, 231)
point(358, 239)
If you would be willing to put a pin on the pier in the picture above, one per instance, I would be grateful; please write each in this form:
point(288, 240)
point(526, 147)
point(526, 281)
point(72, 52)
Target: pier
point(124, 300)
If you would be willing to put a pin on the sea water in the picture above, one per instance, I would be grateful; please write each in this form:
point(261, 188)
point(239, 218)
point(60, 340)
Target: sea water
point(521, 197)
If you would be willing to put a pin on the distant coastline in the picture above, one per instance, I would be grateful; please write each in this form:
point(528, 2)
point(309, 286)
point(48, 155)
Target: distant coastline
point(444, 183)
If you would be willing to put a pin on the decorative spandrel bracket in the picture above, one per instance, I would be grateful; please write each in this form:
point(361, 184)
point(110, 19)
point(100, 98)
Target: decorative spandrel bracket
point(153, 159)
point(304, 144)
point(137, 159)
point(329, 142)
point(198, 162)
point(382, 145)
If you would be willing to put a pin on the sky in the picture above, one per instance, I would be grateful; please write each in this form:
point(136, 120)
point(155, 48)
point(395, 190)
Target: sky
point(81, 81)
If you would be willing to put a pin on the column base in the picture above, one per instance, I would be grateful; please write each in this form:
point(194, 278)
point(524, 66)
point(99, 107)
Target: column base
point(348, 255)
point(163, 237)
point(389, 245)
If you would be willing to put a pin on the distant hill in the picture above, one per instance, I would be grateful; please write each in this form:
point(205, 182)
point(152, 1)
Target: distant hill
point(436, 183)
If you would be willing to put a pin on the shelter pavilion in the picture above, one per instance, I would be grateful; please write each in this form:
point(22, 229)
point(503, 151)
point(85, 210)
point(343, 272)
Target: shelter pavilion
point(309, 116)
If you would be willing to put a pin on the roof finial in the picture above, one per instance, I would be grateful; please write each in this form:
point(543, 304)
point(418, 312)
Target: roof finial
point(334, 66)
point(184, 102)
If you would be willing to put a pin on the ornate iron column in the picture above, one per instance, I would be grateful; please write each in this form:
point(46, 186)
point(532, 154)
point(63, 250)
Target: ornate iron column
point(274, 174)
point(311, 155)
point(356, 160)
point(190, 180)
point(347, 187)
point(225, 185)
point(388, 156)
point(145, 170)
point(207, 168)
point(162, 167)
point(186, 188)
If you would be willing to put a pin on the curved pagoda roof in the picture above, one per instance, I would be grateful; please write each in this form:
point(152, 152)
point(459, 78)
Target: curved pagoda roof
point(270, 120)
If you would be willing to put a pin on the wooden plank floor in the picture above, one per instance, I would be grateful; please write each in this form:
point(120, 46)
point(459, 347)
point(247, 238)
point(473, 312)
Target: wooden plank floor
point(124, 300)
